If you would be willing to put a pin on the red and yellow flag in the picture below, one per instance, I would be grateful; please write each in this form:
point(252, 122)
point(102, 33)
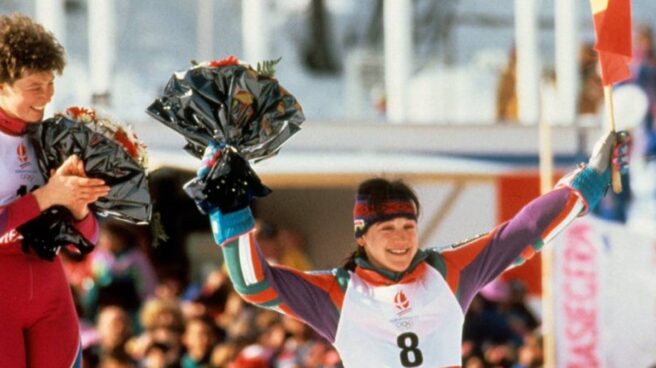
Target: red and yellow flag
point(612, 20)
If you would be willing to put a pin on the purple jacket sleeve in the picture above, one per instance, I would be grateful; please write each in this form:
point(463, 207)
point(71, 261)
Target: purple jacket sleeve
point(471, 265)
point(314, 298)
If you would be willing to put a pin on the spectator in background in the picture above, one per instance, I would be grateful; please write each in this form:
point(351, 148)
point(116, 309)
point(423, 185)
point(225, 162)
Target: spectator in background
point(515, 311)
point(474, 361)
point(225, 353)
point(116, 361)
point(198, 340)
point(507, 90)
point(114, 330)
point(163, 326)
point(472, 355)
point(266, 233)
point(269, 339)
point(160, 313)
point(293, 254)
point(271, 239)
point(484, 324)
point(122, 274)
point(497, 324)
point(591, 93)
point(159, 354)
point(298, 343)
point(210, 298)
point(499, 355)
point(237, 318)
point(530, 354)
point(164, 346)
point(171, 285)
point(644, 62)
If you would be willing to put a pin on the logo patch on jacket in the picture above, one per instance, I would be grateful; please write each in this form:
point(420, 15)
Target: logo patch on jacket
point(402, 303)
point(21, 154)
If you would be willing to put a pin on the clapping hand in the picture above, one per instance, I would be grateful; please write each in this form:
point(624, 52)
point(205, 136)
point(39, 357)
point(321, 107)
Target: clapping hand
point(69, 186)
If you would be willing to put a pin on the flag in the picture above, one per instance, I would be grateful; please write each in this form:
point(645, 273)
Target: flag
point(612, 21)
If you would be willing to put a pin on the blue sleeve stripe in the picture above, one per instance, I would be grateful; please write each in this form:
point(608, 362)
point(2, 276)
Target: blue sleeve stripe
point(226, 227)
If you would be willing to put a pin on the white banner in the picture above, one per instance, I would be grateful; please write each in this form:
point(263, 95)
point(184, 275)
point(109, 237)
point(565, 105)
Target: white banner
point(605, 296)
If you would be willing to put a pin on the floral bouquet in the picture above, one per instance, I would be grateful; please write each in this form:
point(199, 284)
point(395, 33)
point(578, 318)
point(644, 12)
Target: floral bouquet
point(110, 151)
point(242, 110)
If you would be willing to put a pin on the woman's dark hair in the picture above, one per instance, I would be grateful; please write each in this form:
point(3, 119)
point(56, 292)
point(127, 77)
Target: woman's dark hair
point(378, 191)
point(349, 262)
point(26, 46)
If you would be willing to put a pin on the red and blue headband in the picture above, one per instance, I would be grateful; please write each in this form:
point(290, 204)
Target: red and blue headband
point(366, 214)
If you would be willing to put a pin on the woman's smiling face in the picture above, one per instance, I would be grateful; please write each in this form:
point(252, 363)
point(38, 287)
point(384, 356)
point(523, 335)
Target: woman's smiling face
point(392, 244)
point(27, 97)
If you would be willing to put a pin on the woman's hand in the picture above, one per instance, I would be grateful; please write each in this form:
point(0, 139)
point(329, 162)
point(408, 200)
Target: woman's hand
point(610, 149)
point(69, 187)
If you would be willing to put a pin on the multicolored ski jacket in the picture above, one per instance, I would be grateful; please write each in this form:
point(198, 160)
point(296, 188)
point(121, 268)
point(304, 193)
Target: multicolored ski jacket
point(376, 318)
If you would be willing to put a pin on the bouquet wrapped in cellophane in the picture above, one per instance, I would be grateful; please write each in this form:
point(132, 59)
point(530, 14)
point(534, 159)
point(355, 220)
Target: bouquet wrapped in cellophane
point(111, 152)
point(241, 111)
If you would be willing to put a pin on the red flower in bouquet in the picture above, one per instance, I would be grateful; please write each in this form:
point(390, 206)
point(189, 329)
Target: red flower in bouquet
point(81, 114)
point(227, 61)
point(130, 147)
point(118, 132)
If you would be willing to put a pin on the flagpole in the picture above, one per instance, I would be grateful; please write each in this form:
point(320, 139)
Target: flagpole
point(610, 109)
point(612, 22)
point(546, 168)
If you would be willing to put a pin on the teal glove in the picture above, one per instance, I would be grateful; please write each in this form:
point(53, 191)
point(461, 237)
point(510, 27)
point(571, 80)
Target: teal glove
point(593, 181)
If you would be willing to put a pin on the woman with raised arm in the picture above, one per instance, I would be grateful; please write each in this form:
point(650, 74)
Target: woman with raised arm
point(393, 304)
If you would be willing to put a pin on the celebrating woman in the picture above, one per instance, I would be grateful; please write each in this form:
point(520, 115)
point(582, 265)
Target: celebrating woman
point(38, 319)
point(393, 304)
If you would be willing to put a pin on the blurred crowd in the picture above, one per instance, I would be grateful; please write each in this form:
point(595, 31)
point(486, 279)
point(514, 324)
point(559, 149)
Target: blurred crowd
point(501, 330)
point(130, 317)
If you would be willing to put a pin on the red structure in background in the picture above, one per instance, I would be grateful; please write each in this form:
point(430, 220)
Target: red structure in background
point(513, 192)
